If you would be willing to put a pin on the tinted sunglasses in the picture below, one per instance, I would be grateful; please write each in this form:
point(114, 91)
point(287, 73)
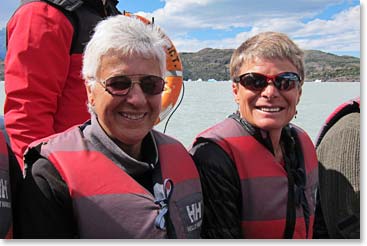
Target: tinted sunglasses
point(256, 81)
point(120, 85)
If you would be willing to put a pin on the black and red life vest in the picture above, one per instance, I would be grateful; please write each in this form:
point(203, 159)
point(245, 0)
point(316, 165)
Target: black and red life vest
point(5, 196)
point(108, 203)
point(264, 183)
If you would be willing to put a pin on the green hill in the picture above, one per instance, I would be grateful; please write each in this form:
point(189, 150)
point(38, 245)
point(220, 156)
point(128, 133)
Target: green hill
point(330, 67)
point(214, 64)
point(206, 64)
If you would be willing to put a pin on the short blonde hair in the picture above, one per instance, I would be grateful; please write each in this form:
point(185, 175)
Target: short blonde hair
point(267, 45)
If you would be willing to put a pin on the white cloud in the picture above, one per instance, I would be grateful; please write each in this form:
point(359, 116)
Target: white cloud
point(346, 21)
point(180, 17)
point(221, 14)
point(340, 33)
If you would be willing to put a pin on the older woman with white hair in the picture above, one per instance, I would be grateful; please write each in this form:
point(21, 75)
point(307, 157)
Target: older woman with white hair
point(114, 176)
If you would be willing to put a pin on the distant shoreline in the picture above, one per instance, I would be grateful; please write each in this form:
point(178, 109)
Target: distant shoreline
point(213, 64)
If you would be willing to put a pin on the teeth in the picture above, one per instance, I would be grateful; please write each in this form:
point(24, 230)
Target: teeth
point(270, 109)
point(133, 116)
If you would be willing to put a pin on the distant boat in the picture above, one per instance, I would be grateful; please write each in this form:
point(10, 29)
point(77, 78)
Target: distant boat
point(317, 80)
point(212, 80)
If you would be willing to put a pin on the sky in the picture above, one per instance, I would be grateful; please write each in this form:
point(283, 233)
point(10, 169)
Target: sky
point(328, 25)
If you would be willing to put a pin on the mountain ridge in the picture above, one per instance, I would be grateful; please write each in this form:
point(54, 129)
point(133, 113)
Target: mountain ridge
point(212, 63)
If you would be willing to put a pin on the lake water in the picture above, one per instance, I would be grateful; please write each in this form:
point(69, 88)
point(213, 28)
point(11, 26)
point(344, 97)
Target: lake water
point(206, 103)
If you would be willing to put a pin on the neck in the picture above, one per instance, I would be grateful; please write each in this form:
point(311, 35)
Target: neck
point(278, 153)
point(133, 150)
point(275, 140)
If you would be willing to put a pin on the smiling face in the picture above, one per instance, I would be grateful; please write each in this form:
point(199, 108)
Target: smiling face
point(268, 109)
point(128, 118)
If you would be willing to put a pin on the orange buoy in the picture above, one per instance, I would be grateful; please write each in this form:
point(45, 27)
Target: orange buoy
point(173, 77)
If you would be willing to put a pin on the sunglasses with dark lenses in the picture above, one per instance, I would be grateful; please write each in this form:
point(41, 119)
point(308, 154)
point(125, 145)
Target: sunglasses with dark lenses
point(256, 81)
point(121, 85)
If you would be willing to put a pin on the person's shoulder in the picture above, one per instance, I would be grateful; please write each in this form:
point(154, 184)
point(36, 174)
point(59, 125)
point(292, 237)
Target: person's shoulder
point(221, 127)
point(300, 132)
point(38, 10)
point(69, 5)
point(164, 138)
point(208, 153)
point(205, 146)
point(44, 174)
point(298, 129)
point(41, 166)
point(347, 128)
point(212, 161)
point(351, 120)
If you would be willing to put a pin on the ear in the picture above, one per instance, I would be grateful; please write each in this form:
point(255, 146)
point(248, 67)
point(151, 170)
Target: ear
point(235, 91)
point(299, 95)
point(90, 94)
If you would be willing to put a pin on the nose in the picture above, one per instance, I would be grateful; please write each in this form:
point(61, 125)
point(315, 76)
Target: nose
point(270, 91)
point(136, 96)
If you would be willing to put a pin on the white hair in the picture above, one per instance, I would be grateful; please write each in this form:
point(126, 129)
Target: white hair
point(123, 36)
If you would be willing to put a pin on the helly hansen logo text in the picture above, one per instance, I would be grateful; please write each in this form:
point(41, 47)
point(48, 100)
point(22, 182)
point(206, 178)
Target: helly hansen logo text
point(4, 189)
point(4, 194)
point(194, 213)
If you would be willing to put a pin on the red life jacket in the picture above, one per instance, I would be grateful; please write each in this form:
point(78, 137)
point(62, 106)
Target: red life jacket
point(108, 203)
point(348, 107)
point(6, 224)
point(264, 183)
